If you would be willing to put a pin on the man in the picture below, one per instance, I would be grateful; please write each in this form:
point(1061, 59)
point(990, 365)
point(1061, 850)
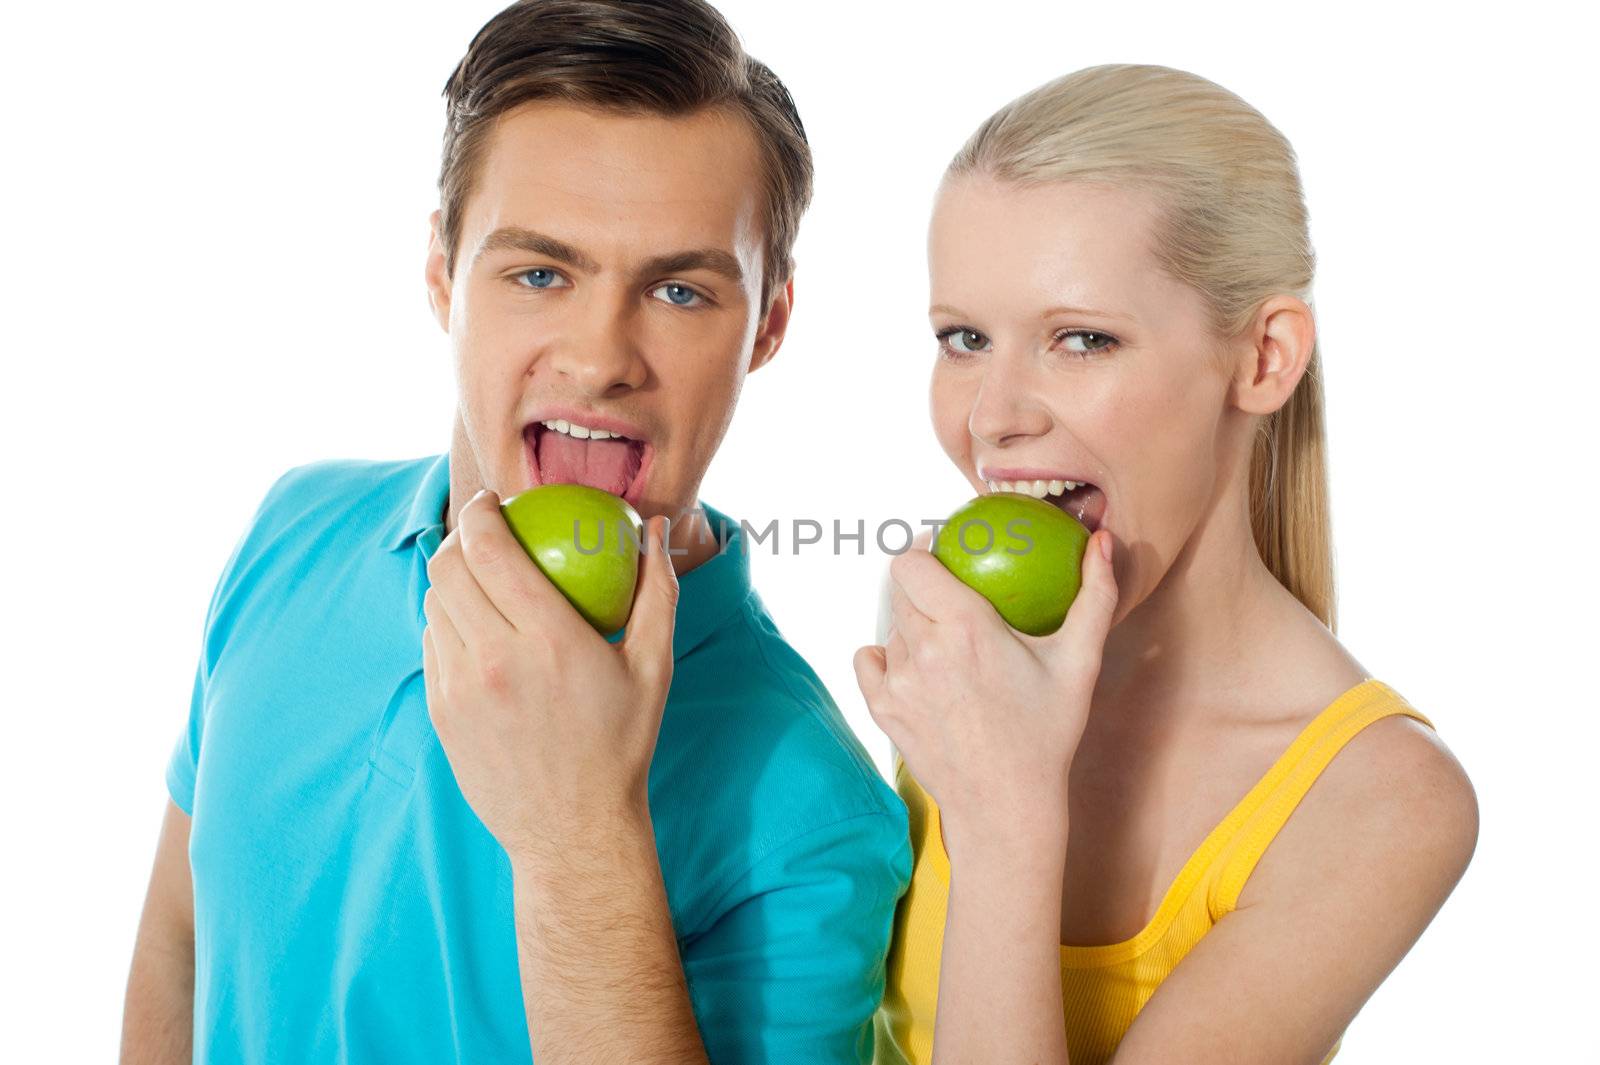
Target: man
point(435, 816)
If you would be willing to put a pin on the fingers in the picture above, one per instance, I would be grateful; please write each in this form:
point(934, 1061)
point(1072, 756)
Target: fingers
point(935, 592)
point(648, 642)
point(904, 617)
point(430, 669)
point(430, 673)
point(872, 677)
point(445, 635)
point(1082, 637)
point(870, 668)
point(896, 652)
point(443, 655)
point(458, 595)
point(508, 578)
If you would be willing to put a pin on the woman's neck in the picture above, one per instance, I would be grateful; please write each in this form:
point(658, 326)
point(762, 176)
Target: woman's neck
point(1200, 633)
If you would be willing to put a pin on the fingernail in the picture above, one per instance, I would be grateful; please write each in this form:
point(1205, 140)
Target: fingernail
point(1105, 547)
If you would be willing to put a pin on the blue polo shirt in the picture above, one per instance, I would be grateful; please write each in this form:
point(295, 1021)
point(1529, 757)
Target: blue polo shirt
point(349, 906)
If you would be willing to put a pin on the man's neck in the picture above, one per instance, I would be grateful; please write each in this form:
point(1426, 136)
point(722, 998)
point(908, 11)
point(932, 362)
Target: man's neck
point(693, 535)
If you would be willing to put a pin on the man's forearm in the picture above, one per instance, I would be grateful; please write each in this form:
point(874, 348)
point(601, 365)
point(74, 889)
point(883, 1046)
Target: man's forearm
point(158, 1012)
point(601, 976)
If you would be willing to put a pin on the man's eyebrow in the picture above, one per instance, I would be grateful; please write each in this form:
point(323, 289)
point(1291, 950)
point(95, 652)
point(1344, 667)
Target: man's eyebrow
point(515, 238)
point(713, 259)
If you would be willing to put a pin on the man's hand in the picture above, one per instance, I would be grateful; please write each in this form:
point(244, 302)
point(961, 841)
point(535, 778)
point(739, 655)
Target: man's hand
point(550, 729)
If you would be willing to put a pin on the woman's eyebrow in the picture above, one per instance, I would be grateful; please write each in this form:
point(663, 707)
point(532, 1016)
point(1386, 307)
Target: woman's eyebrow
point(942, 308)
point(1068, 309)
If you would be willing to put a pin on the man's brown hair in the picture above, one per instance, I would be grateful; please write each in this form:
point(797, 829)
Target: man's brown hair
point(666, 57)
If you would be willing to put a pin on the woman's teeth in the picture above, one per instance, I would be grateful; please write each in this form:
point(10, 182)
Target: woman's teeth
point(1037, 489)
point(580, 432)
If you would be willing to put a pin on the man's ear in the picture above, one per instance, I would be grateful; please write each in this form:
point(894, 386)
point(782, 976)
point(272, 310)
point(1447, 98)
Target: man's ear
point(437, 276)
point(773, 327)
point(1273, 354)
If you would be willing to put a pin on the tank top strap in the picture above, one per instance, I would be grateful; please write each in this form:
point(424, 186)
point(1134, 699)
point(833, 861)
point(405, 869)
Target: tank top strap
point(1281, 790)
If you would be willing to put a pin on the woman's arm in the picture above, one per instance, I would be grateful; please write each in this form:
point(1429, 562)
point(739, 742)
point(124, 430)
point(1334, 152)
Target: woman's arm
point(1000, 962)
point(1341, 895)
point(988, 720)
point(1000, 967)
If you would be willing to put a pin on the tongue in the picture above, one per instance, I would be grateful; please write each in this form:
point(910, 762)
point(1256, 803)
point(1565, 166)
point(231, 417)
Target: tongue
point(608, 465)
point(1086, 503)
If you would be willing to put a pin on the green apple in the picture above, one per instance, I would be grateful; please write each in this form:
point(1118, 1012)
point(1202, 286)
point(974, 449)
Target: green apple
point(586, 541)
point(1022, 554)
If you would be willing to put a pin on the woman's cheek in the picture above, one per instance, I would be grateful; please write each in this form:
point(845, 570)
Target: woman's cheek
point(950, 407)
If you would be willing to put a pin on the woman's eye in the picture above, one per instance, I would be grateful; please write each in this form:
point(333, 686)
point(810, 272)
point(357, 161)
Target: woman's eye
point(1084, 341)
point(963, 341)
point(678, 295)
point(541, 277)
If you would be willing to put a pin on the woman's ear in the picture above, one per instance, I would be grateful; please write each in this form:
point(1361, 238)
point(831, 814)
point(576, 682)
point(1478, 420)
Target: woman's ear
point(1273, 354)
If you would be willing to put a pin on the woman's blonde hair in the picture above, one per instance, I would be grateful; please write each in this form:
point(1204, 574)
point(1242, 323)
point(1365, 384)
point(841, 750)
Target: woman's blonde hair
point(1233, 226)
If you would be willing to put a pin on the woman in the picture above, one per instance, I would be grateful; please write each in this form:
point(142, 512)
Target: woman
point(1188, 826)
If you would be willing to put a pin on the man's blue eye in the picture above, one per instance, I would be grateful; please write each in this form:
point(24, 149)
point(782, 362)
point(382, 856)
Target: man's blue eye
point(540, 277)
point(678, 295)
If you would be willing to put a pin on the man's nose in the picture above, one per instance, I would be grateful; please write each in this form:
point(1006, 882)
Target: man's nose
point(1007, 405)
point(601, 353)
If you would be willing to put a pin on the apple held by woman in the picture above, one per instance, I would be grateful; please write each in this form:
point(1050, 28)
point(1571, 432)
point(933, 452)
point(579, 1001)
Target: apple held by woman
point(1022, 554)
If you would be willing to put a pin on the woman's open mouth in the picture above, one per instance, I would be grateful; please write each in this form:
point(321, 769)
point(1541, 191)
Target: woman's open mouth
point(1082, 499)
point(559, 451)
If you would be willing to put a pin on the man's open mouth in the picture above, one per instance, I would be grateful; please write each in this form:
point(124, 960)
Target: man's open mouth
point(1082, 499)
point(565, 452)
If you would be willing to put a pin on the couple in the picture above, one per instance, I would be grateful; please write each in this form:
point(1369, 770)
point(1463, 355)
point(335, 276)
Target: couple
point(422, 813)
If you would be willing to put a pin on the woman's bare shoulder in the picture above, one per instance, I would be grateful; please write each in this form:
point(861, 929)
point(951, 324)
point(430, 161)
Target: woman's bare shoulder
point(1395, 793)
point(1394, 798)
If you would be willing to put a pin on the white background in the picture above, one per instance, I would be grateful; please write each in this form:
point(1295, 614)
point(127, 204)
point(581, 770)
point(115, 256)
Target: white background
point(215, 222)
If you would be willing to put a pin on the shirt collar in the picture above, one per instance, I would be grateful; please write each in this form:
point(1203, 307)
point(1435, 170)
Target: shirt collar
point(707, 595)
point(425, 509)
point(711, 592)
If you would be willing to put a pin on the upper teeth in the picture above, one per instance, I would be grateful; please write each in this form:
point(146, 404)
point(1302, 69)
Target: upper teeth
point(581, 432)
point(1037, 489)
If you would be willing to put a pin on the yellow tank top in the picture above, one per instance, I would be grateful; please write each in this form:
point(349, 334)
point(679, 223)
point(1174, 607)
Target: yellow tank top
point(1104, 987)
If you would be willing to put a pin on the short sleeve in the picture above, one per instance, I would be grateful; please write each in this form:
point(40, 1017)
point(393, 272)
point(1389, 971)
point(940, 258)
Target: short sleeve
point(186, 754)
point(183, 766)
point(792, 968)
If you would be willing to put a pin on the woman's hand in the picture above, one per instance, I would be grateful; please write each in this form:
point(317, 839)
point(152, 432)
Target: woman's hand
point(987, 718)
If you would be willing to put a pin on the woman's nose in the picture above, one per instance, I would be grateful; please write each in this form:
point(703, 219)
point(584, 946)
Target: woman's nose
point(1007, 405)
